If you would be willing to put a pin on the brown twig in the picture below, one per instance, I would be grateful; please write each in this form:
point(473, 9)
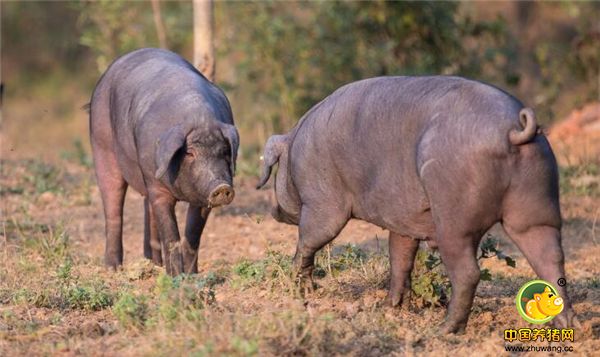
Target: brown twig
point(594, 226)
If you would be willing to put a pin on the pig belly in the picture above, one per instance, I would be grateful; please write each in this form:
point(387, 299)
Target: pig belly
point(408, 217)
point(131, 171)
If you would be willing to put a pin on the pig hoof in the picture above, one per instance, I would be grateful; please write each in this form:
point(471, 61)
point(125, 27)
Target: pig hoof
point(305, 284)
point(158, 263)
point(112, 264)
point(174, 270)
point(400, 298)
point(575, 322)
point(566, 319)
point(156, 257)
point(157, 260)
point(450, 327)
point(309, 289)
point(393, 300)
point(174, 267)
point(114, 268)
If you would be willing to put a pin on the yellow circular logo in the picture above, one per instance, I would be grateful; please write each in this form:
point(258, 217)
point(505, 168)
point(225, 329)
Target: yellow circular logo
point(538, 302)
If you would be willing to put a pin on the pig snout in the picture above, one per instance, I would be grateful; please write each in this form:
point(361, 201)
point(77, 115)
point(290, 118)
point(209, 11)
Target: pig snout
point(221, 195)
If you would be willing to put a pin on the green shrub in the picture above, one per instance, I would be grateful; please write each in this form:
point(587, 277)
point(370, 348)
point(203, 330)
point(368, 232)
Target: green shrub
point(275, 268)
point(93, 297)
point(429, 281)
point(249, 271)
point(489, 249)
point(245, 347)
point(333, 260)
point(131, 310)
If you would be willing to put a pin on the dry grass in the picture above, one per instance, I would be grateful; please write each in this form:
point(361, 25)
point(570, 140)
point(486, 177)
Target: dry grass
point(57, 298)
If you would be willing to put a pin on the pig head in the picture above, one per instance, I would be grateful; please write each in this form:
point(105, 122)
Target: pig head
point(197, 163)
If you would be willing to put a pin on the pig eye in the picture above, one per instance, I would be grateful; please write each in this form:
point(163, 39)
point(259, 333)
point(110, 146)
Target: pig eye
point(550, 295)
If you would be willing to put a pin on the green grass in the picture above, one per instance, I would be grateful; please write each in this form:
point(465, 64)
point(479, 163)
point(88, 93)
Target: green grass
point(66, 292)
point(132, 311)
point(43, 177)
point(172, 300)
point(78, 155)
point(275, 270)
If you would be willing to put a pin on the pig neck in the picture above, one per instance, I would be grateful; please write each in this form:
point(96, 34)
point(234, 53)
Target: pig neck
point(287, 195)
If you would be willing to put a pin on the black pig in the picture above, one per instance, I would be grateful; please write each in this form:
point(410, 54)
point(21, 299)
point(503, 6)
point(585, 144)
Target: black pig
point(428, 158)
point(159, 126)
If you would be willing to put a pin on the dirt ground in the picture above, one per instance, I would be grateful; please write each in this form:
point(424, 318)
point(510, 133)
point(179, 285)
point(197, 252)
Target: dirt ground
point(56, 297)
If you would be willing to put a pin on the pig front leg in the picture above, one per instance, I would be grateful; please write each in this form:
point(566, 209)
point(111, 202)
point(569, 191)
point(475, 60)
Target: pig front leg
point(196, 220)
point(163, 207)
point(541, 245)
point(402, 256)
point(152, 249)
point(317, 227)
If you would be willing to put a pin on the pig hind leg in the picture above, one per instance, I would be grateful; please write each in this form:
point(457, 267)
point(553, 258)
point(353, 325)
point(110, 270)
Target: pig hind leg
point(152, 246)
point(196, 220)
point(112, 189)
point(460, 218)
point(458, 254)
point(542, 248)
point(318, 226)
point(402, 256)
point(532, 220)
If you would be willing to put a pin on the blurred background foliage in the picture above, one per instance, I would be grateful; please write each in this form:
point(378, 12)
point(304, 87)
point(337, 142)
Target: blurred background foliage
point(277, 59)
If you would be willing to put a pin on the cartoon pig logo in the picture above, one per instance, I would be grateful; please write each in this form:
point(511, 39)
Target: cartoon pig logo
point(543, 305)
point(538, 302)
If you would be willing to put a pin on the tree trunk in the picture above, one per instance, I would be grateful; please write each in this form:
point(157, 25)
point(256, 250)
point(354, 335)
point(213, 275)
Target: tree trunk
point(160, 27)
point(524, 64)
point(204, 59)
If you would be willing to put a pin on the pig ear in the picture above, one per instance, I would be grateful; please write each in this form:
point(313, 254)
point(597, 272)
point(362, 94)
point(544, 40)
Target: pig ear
point(275, 146)
point(167, 145)
point(231, 134)
point(537, 297)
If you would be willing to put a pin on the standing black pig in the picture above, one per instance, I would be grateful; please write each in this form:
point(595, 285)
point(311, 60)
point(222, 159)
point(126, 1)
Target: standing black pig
point(158, 125)
point(428, 158)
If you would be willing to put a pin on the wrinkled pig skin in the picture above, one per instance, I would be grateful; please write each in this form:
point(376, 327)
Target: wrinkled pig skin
point(159, 126)
point(437, 158)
